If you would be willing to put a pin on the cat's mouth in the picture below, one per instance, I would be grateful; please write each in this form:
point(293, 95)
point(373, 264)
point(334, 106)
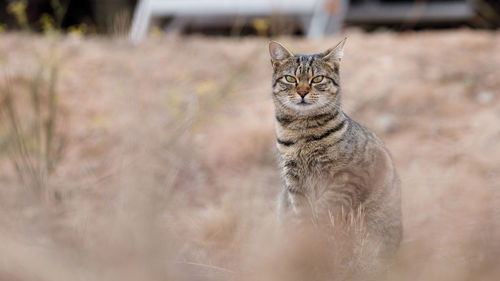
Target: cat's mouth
point(303, 103)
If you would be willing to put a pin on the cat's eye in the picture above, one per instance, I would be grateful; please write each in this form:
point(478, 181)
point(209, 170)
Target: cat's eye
point(317, 79)
point(290, 79)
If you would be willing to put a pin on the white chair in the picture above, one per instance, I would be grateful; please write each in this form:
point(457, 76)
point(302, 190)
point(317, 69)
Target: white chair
point(318, 20)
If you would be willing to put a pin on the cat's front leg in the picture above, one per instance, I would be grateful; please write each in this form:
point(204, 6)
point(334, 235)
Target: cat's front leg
point(300, 207)
point(338, 204)
point(284, 209)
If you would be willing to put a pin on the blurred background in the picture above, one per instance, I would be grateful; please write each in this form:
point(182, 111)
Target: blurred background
point(224, 17)
point(137, 137)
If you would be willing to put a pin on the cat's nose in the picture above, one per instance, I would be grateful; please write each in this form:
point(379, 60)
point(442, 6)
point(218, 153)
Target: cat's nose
point(302, 93)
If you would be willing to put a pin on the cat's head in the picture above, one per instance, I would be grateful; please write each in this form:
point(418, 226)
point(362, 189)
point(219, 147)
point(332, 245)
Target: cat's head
point(306, 84)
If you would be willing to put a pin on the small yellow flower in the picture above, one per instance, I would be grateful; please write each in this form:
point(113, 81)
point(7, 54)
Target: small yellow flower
point(206, 87)
point(47, 23)
point(261, 25)
point(78, 30)
point(18, 10)
point(156, 32)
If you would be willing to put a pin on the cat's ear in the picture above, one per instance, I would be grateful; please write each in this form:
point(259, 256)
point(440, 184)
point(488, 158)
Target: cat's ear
point(334, 54)
point(278, 53)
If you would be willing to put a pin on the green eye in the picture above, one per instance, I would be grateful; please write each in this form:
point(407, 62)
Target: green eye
point(290, 79)
point(318, 79)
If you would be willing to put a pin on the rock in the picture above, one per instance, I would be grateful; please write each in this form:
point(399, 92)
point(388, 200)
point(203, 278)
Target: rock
point(484, 97)
point(386, 123)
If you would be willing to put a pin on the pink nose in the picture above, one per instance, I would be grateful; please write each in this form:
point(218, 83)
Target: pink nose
point(302, 93)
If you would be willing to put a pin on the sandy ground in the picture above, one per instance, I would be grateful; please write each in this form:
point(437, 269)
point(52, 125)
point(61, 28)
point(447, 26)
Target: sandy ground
point(168, 160)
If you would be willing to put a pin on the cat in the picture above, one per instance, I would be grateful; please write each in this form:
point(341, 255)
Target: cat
point(330, 164)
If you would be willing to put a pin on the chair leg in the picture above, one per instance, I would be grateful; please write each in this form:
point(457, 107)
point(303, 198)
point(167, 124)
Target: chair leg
point(141, 21)
point(337, 21)
point(319, 20)
point(324, 22)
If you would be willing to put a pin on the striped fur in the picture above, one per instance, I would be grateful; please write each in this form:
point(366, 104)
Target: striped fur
point(329, 162)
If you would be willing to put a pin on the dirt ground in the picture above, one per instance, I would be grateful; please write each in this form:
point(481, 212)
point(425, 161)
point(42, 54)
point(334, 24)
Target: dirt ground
point(167, 167)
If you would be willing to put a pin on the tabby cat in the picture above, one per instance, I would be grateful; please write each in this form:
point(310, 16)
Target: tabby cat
point(330, 164)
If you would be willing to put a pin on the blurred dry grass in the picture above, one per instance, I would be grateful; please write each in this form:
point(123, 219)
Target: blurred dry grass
point(168, 168)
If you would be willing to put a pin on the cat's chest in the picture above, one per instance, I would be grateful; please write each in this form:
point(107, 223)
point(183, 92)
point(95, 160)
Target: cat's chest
point(309, 156)
point(304, 165)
